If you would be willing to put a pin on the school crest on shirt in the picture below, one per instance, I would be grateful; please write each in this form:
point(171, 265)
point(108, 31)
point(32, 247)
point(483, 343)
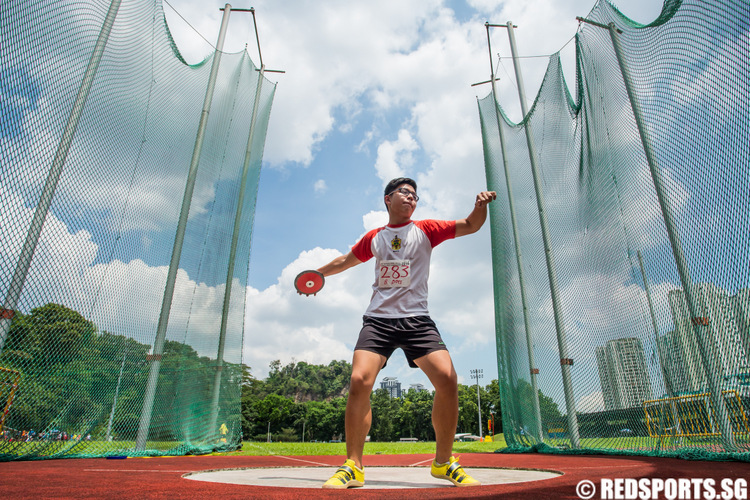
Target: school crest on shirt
point(396, 244)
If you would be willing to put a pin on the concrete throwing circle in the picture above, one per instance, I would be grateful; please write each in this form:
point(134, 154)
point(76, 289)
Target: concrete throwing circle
point(375, 477)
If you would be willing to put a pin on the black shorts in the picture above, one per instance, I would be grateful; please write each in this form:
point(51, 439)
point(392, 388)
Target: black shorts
point(416, 335)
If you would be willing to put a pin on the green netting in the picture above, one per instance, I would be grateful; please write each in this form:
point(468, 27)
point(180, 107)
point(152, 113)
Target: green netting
point(651, 368)
point(78, 342)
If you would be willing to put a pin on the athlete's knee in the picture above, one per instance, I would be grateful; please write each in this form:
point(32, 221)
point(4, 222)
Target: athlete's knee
point(361, 382)
point(446, 380)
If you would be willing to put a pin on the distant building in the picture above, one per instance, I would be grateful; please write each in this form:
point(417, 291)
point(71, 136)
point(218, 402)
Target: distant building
point(722, 322)
point(741, 303)
point(417, 387)
point(676, 379)
point(686, 343)
point(392, 385)
point(623, 374)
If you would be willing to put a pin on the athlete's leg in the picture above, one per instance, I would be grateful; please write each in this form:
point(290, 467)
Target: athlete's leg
point(438, 367)
point(365, 368)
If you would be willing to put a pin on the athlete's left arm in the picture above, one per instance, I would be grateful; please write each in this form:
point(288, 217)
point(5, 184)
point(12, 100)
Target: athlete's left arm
point(476, 218)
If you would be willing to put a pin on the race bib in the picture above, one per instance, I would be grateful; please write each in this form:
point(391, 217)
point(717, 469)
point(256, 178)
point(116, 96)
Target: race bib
point(394, 273)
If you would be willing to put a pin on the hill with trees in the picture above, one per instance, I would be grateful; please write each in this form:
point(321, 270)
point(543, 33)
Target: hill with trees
point(71, 371)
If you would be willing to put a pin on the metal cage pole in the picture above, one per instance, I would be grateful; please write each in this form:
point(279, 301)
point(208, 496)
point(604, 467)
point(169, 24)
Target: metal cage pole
point(665, 376)
point(161, 331)
point(533, 371)
point(232, 257)
point(53, 176)
point(236, 234)
point(668, 386)
point(477, 374)
point(565, 361)
point(108, 437)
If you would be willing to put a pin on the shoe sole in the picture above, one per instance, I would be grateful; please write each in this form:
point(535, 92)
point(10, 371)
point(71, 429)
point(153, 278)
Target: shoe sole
point(350, 484)
point(460, 485)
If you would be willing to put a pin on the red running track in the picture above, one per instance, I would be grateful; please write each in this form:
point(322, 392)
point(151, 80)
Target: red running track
point(161, 477)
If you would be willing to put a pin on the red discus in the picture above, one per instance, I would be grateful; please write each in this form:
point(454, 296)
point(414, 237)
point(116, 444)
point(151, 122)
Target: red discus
point(309, 282)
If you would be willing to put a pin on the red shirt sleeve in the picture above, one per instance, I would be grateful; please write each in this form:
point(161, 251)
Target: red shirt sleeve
point(363, 248)
point(437, 230)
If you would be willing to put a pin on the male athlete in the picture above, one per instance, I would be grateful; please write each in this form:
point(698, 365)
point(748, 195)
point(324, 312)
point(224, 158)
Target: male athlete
point(398, 317)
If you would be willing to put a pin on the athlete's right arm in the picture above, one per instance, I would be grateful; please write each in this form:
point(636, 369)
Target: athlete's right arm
point(339, 264)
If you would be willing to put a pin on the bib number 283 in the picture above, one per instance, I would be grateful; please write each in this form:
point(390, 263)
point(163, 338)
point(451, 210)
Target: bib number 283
point(394, 273)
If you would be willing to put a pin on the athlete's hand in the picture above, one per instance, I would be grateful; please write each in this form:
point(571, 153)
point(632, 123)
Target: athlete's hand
point(476, 218)
point(484, 198)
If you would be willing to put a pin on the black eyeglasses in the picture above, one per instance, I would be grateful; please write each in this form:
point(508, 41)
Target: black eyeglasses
point(407, 192)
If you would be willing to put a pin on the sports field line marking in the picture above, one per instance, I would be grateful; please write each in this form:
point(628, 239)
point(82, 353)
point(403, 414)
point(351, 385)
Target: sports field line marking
point(607, 466)
point(288, 458)
point(421, 463)
point(262, 449)
point(305, 461)
point(136, 470)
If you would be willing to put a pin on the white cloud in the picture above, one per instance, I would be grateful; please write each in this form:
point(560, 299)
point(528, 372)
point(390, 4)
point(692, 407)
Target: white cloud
point(334, 53)
point(123, 298)
point(280, 324)
point(374, 219)
point(395, 157)
point(320, 186)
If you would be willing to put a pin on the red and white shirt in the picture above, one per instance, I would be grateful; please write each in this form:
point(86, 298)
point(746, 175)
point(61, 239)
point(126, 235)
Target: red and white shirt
point(402, 265)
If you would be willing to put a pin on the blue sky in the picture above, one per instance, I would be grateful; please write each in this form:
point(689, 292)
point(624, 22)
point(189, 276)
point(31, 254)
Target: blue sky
point(373, 90)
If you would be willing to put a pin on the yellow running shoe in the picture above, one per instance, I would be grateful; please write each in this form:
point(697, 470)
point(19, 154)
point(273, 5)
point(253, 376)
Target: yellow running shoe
point(347, 476)
point(453, 472)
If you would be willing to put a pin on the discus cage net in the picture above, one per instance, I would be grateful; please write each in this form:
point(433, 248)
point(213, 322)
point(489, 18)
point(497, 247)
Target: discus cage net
point(621, 253)
point(101, 118)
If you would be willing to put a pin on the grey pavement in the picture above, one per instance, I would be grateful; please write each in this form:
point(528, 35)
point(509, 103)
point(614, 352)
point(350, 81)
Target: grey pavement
point(375, 477)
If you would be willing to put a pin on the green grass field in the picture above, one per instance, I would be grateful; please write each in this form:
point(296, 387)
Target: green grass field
point(640, 444)
point(100, 448)
point(311, 449)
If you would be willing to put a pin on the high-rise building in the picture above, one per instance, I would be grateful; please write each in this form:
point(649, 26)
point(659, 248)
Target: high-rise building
point(676, 382)
point(623, 374)
point(606, 380)
point(742, 308)
point(718, 333)
point(417, 387)
point(685, 341)
point(392, 385)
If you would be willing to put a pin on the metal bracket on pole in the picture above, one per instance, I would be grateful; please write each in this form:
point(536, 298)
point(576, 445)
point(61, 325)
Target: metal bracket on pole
point(594, 23)
point(703, 331)
point(257, 40)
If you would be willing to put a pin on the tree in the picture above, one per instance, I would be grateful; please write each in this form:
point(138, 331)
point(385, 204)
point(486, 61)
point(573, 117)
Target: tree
point(273, 410)
point(70, 371)
point(304, 382)
point(51, 334)
point(493, 405)
point(467, 409)
point(251, 388)
point(384, 415)
point(547, 407)
point(416, 415)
